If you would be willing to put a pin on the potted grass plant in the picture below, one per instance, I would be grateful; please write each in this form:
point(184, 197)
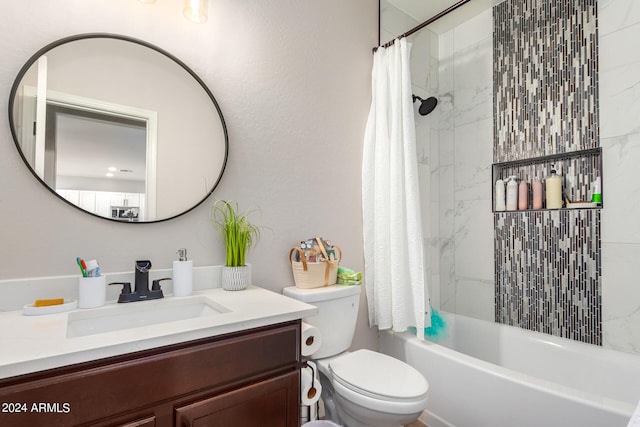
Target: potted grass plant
point(239, 236)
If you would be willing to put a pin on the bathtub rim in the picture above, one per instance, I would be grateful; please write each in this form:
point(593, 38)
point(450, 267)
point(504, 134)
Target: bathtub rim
point(621, 408)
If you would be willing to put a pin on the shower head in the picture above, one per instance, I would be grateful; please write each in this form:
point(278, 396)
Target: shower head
point(426, 105)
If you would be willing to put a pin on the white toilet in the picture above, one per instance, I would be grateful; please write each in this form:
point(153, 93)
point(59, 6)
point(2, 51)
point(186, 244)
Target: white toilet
point(360, 388)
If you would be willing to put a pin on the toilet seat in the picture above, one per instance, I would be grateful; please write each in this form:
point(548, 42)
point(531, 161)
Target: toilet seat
point(380, 382)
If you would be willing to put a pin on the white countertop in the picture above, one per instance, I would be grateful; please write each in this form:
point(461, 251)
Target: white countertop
point(36, 343)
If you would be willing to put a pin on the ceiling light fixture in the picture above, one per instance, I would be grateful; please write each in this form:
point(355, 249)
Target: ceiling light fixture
point(109, 174)
point(196, 10)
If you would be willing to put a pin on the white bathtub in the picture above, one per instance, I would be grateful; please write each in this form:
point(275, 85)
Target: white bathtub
point(484, 374)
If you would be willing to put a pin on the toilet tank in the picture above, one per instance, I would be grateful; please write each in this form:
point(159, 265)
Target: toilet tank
point(337, 314)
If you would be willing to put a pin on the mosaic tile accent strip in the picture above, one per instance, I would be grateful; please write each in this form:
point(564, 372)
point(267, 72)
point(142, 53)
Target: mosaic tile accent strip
point(545, 78)
point(548, 263)
point(548, 269)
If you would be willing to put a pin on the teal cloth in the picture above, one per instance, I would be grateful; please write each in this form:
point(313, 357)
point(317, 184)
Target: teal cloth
point(438, 328)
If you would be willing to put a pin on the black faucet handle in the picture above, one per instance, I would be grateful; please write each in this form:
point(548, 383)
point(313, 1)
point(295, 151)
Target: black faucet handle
point(155, 285)
point(126, 287)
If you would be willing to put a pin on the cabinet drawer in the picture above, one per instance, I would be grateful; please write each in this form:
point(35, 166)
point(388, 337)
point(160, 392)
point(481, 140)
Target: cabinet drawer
point(101, 389)
point(273, 403)
point(143, 422)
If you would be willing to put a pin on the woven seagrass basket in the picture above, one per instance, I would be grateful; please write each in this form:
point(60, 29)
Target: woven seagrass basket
point(308, 275)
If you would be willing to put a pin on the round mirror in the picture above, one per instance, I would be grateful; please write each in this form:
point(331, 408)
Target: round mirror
point(118, 128)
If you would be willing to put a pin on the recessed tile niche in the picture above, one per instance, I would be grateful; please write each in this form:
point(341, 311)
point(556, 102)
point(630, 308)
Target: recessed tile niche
point(548, 262)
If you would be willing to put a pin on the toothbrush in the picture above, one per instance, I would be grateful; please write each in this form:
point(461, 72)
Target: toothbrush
point(82, 265)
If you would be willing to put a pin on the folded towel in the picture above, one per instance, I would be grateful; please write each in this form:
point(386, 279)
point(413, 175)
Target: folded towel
point(347, 282)
point(348, 277)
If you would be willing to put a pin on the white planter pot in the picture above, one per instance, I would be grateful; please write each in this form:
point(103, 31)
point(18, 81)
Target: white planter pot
point(236, 278)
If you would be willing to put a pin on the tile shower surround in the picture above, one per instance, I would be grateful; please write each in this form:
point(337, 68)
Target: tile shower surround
point(548, 263)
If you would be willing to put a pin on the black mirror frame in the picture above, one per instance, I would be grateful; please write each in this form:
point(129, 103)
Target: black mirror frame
point(39, 53)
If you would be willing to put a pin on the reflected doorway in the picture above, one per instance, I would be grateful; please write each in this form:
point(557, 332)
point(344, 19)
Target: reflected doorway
point(97, 161)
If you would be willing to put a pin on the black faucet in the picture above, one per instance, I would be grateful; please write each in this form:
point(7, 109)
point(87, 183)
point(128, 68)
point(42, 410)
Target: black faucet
point(141, 290)
point(141, 284)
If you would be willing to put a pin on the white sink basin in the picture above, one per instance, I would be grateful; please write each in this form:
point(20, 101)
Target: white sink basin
point(136, 314)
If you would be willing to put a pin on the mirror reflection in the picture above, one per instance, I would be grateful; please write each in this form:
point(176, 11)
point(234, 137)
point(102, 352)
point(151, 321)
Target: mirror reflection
point(118, 128)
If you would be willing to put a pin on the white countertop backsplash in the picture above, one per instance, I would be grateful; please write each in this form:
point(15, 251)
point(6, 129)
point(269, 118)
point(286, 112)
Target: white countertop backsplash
point(16, 293)
point(36, 343)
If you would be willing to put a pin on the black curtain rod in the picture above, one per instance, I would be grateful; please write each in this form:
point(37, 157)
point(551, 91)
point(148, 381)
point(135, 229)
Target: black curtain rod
point(425, 23)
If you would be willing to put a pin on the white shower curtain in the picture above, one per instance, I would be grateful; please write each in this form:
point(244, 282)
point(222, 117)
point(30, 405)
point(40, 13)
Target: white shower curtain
point(394, 261)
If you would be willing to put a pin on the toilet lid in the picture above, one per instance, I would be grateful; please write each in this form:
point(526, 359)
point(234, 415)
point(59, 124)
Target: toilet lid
point(379, 375)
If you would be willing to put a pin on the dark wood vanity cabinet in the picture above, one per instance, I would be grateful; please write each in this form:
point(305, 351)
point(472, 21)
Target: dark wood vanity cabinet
point(241, 379)
point(262, 404)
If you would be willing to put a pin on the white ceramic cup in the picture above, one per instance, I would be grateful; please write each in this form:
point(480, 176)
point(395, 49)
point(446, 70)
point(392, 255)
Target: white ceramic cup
point(92, 291)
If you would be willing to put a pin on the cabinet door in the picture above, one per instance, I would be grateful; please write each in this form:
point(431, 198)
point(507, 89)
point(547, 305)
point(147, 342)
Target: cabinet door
point(103, 203)
point(143, 207)
point(273, 403)
point(87, 201)
point(73, 196)
point(132, 199)
point(117, 199)
point(141, 385)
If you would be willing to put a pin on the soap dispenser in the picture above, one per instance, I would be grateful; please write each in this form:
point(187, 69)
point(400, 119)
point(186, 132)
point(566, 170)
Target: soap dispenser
point(182, 275)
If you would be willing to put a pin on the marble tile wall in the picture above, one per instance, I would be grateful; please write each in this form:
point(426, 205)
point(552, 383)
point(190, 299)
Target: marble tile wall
point(464, 171)
point(619, 30)
point(424, 80)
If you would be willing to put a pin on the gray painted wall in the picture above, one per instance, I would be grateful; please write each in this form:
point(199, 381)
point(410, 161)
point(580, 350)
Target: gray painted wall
point(293, 81)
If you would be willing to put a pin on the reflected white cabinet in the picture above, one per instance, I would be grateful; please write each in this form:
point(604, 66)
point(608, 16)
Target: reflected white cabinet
point(125, 199)
point(132, 199)
point(102, 202)
point(72, 196)
point(117, 199)
point(87, 200)
point(143, 212)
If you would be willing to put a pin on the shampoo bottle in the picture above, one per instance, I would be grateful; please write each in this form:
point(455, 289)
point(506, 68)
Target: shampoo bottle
point(523, 196)
point(182, 275)
point(553, 189)
point(499, 196)
point(512, 194)
point(537, 194)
